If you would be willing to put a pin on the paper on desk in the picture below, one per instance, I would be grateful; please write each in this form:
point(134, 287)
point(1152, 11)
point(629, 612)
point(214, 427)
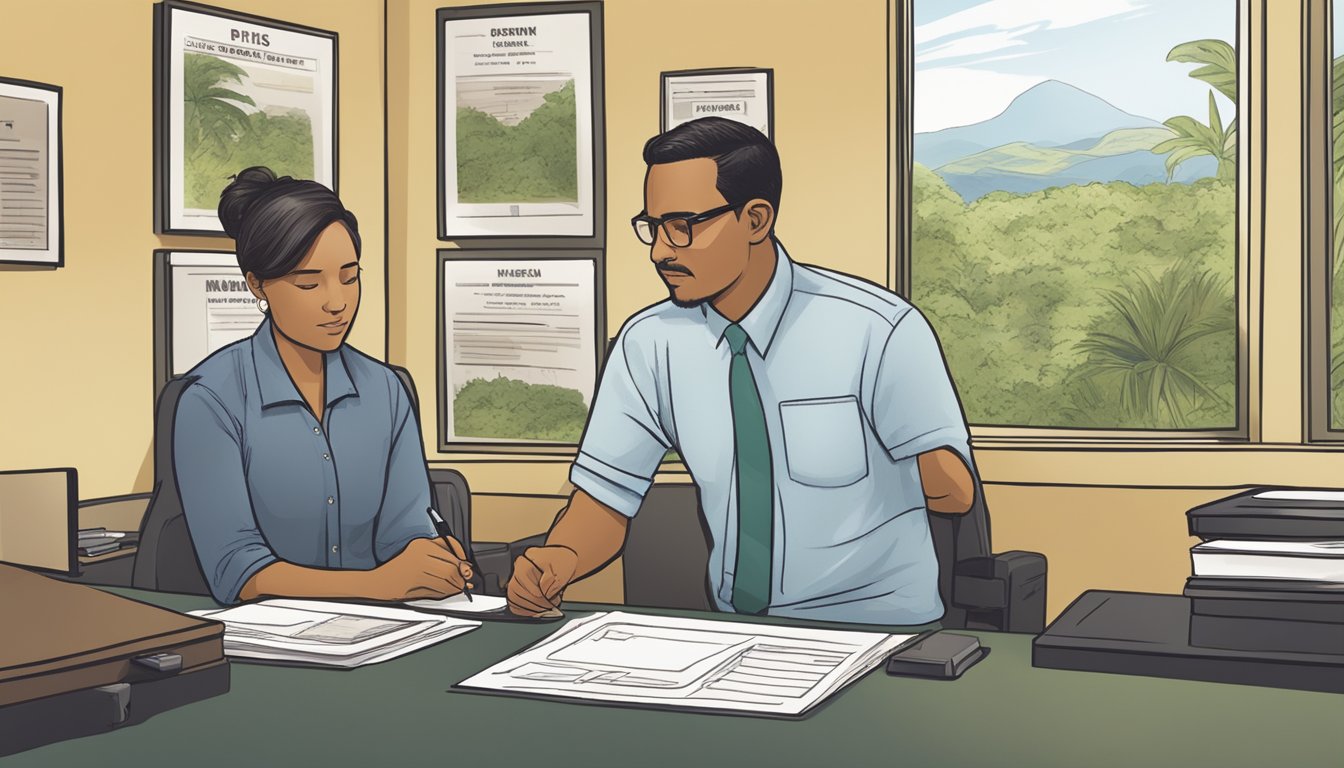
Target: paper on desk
point(1302, 495)
point(459, 603)
point(665, 661)
point(328, 633)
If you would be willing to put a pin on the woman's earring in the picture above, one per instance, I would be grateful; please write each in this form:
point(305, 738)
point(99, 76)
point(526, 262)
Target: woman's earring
point(263, 306)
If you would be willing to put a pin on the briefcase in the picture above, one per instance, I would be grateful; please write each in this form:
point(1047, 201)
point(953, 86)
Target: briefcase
point(75, 660)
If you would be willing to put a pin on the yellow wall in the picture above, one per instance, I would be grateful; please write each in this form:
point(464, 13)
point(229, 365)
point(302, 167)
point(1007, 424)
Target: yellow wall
point(76, 385)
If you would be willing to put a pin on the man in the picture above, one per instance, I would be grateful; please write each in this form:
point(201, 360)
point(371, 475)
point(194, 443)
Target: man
point(812, 409)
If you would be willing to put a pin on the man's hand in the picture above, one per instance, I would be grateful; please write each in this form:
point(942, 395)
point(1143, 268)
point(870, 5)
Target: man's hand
point(539, 579)
point(425, 569)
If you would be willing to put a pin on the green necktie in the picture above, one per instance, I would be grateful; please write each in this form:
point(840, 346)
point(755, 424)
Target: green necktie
point(755, 482)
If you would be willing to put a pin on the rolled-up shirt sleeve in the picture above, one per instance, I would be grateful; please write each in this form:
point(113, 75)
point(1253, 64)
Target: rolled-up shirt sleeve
point(208, 465)
point(404, 514)
point(915, 407)
point(624, 440)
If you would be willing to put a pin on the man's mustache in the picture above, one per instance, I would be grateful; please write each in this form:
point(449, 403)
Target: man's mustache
point(667, 266)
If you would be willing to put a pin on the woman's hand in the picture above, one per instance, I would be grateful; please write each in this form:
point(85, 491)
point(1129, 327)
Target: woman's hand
point(425, 569)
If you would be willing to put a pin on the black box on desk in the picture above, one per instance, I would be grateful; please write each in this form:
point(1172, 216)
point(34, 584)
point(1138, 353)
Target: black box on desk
point(1280, 599)
point(1142, 634)
point(1271, 514)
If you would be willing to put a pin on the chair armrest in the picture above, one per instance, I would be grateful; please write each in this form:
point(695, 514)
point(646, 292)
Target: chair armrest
point(1009, 586)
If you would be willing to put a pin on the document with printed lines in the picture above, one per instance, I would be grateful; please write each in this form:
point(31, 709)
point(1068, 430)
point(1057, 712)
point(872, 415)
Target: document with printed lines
point(661, 661)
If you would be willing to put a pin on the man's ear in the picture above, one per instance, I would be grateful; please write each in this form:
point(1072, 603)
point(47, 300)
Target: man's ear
point(761, 217)
point(254, 284)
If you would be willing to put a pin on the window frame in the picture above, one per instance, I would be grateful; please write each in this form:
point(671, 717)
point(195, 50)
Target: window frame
point(1248, 239)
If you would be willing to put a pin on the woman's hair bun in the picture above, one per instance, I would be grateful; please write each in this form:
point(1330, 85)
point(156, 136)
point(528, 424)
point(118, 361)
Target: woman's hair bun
point(249, 186)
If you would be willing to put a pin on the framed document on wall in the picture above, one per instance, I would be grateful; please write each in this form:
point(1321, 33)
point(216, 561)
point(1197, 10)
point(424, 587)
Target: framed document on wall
point(233, 91)
point(518, 334)
point(520, 110)
point(32, 222)
point(201, 304)
point(743, 94)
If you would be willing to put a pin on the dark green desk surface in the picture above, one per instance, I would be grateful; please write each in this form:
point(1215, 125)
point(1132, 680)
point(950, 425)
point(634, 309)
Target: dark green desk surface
point(1003, 712)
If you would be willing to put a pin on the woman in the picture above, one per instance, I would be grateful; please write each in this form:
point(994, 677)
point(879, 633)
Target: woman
point(298, 457)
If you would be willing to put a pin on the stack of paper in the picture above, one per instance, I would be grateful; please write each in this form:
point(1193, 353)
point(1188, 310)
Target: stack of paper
point(1307, 560)
point(330, 634)
point(663, 661)
point(100, 541)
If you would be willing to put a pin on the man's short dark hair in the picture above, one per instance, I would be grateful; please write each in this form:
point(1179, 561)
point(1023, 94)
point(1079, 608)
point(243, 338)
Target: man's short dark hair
point(748, 163)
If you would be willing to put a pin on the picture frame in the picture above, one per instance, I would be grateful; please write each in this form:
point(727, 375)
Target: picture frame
point(233, 90)
point(32, 187)
point(476, 333)
point(201, 304)
point(505, 181)
point(745, 94)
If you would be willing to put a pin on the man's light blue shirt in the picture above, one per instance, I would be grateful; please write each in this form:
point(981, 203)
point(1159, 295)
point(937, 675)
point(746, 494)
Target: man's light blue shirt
point(854, 387)
point(261, 480)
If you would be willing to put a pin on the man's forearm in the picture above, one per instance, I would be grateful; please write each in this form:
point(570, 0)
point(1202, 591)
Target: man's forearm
point(594, 531)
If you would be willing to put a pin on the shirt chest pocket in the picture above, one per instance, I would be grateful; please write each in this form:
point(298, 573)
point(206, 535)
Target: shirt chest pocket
point(824, 442)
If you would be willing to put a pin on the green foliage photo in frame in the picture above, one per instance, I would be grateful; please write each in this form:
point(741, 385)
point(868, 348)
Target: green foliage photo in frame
point(234, 91)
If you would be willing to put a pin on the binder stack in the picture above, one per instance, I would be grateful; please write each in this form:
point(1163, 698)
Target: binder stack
point(1268, 574)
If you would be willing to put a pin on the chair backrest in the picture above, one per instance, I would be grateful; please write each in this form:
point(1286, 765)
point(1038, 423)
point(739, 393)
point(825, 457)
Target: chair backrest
point(666, 558)
point(165, 559)
point(957, 538)
point(409, 383)
point(451, 496)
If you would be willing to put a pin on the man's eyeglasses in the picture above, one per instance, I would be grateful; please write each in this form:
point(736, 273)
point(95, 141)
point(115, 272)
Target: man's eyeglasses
point(677, 229)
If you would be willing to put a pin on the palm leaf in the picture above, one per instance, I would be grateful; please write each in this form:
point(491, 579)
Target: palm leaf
point(1219, 60)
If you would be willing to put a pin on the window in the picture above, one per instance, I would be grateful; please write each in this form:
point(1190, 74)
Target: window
point(1332, 281)
point(1073, 230)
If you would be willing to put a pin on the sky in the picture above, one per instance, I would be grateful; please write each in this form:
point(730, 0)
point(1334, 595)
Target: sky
point(972, 57)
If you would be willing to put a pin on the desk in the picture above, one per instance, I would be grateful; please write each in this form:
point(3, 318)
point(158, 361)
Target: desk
point(401, 713)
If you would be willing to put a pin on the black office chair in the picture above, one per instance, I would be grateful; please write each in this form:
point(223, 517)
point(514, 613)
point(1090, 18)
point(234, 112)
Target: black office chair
point(982, 590)
point(166, 560)
point(667, 553)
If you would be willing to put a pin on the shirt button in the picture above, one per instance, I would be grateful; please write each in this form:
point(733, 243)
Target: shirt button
point(331, 500)
point(334, 548)
point(316, 431)
point(327, 456)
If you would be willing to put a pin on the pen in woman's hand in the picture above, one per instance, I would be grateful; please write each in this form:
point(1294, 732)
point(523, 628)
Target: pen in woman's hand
point(446, 534)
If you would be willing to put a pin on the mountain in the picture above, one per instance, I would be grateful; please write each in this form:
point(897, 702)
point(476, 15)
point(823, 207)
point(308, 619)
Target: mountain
point(1049, 114)
point(1019, 167)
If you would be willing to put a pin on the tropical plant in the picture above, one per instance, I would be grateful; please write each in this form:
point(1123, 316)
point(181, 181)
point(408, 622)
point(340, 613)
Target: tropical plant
point(1192, 138)
point(1220, 64)
point(208, 116)
point(1149, 351)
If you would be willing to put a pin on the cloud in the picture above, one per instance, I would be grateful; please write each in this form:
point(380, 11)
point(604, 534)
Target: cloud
point(997, 25)
point(971, 45)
